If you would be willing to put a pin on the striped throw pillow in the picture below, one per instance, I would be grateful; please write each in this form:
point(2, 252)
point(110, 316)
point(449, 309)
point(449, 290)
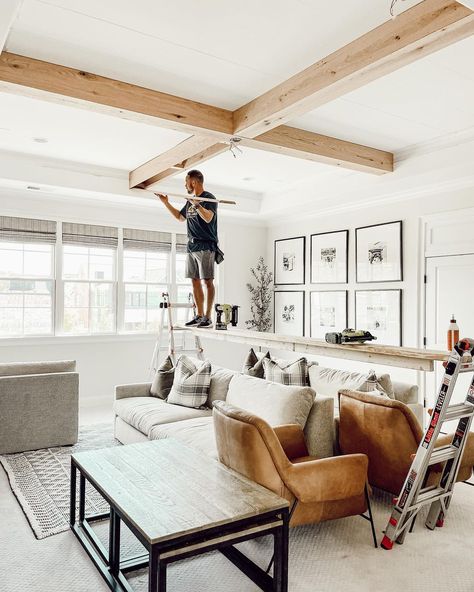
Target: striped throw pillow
point(289, 373)
point(191, 383)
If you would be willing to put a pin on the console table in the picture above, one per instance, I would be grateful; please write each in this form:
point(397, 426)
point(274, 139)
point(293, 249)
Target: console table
point(403, 357)
point(178, 504)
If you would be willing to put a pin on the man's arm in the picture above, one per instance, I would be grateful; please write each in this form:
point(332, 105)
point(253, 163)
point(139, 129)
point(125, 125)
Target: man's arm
point(173, 211)
point(203, 212)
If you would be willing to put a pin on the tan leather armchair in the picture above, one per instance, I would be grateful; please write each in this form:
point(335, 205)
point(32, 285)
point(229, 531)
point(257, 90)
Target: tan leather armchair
point(389, 434)
point(318, 489)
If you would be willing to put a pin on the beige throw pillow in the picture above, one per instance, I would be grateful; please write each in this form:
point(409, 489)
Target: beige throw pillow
point(277, 404)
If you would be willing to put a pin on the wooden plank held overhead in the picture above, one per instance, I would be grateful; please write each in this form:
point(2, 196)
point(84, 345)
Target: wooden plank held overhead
point(415, 33)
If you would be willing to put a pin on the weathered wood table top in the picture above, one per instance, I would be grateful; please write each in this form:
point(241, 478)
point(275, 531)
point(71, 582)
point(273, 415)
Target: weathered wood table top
point(166, 489)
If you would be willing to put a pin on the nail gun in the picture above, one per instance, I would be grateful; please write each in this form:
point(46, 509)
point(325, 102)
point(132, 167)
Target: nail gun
point(231, 315)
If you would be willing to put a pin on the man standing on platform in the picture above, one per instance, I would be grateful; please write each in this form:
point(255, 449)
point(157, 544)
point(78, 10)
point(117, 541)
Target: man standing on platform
point(201, 219)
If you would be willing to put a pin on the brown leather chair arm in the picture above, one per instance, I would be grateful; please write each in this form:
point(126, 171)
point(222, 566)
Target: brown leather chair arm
point(292, 440)
point(328, 479)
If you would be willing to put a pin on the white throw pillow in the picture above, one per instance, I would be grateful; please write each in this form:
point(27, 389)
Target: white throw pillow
point(191, 383)
point(329, 381)
point(277, 404)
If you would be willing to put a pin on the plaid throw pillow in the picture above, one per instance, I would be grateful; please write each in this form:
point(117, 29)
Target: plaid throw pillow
point(253, 364)
point(191, 383)
point(292, 373)
point(163, 380)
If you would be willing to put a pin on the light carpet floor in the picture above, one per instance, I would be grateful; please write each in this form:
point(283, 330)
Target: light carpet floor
point(331, 557)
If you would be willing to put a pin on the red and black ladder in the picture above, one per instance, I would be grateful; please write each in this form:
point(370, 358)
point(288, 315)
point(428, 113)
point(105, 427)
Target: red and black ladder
point(415, 494)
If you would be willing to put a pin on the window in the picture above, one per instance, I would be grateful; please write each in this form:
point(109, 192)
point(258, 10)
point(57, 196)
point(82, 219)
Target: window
point(26, 276)
point(146, 275)
point(89, 279)
point(183, 286)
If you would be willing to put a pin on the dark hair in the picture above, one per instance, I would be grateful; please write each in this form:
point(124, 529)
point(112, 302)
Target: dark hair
point(195, 174)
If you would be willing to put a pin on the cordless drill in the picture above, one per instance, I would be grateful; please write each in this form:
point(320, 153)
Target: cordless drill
point(230, 312)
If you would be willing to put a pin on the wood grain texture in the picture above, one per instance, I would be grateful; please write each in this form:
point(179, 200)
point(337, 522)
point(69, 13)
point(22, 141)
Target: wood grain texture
point(166, 489)
point(171, 111)
point(402, 357)
point(189, 153)
point(415, 33)
point(324, 149)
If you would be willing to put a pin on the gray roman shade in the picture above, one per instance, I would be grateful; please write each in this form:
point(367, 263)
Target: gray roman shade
point(27, 230)
point(89, 235)
point(146, 240)
point(181, 243)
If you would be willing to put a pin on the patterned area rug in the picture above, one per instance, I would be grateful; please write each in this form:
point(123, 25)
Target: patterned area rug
point(40, 480)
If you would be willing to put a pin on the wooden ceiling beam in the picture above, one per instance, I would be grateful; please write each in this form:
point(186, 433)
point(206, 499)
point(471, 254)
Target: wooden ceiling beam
point(415, 33)
point(67, 85)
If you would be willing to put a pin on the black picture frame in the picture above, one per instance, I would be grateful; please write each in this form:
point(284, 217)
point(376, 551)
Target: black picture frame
point(346, 251)
point(302, 294)
point(277, 276)
point(346, 310)
point(360, 278)
point(399, 310)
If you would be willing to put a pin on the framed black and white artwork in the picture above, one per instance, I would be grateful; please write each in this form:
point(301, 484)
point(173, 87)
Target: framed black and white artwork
point(380, 312)
point(379, 253)
point(329, 257)
point(289, 261)
point(328, 312)
point(289, 313)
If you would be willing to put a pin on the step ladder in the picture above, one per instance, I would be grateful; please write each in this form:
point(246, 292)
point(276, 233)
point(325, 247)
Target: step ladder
point(167, 325)
point(415, 494)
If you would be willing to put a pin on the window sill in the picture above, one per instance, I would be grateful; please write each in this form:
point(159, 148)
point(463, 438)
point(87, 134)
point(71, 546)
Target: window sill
point(65, 339)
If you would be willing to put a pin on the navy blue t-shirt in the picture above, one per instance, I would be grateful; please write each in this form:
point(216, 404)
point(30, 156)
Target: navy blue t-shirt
point(202, 235)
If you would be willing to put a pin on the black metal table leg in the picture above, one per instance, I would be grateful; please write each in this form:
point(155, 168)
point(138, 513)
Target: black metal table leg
point(82, 497)
point(153, 571)
point(280, 549)
point(114, 542)
point(72, 494)
point(161, 568)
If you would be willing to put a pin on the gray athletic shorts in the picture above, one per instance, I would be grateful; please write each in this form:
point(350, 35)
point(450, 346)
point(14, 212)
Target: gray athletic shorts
point(200, 265)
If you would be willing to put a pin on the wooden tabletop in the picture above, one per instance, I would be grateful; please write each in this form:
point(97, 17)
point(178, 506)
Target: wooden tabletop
point(167, 489)
point(403, 357)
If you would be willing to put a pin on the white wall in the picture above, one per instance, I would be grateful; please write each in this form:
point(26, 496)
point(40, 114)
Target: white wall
point(107, 361)
point(410, 211)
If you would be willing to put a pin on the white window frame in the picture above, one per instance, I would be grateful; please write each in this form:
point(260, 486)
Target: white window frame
point(53, 297)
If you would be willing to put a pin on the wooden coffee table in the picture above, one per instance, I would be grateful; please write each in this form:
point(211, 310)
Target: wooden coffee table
point(178, 504)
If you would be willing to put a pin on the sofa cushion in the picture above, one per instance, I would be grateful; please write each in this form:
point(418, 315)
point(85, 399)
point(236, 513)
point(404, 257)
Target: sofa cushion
point(143, 413)
point(197, 433)
point(24, 368)
point(253, 364)
point(289, 373)
point(220, 380)
point(163, 380)
point(329, 381)
point(277, 404)
point(191, 383)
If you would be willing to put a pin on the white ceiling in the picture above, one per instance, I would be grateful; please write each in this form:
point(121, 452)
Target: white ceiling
point(221, 52)
point(79, 135)
point(226, 53)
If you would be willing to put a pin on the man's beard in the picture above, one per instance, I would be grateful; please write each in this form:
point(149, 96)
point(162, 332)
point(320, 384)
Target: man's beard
point(190, 191)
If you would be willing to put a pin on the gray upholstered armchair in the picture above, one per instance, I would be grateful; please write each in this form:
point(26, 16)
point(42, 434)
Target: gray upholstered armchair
point(38, 405)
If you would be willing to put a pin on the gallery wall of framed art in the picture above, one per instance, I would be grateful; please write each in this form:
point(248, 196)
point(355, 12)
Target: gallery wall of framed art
point(288, 312)
point(338, 269)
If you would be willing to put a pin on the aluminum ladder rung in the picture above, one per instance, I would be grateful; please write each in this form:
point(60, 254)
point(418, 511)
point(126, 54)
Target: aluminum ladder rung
point(177, 305)
point(466, 369)
point(458, 411)
point(443, 453)
point(431, 494)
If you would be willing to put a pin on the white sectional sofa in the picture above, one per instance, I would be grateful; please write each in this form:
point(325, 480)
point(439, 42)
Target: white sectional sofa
point(139, 416)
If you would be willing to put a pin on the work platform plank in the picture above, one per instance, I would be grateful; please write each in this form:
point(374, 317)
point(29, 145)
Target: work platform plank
point(402, 357)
